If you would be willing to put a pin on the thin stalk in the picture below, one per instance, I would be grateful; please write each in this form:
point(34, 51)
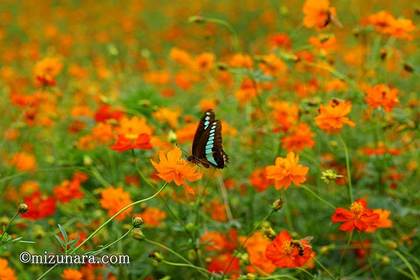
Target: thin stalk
point(317, 196)
point(346, 152)
point(105, 224)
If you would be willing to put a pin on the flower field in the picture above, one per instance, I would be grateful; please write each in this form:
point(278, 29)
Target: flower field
point(210, 139)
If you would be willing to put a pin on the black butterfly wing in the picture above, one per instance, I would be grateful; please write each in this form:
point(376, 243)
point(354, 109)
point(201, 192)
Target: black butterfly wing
point(203, 125)
point(219, 155)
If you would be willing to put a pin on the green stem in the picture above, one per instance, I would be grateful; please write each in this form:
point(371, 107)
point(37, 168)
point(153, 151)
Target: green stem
point(324, 268)
point(8, 225)
point(110, 244)
point(317, 196)
point(170, 250)
point(187, 265)
point(104, 224)
point(346, 152)
point(407, 263)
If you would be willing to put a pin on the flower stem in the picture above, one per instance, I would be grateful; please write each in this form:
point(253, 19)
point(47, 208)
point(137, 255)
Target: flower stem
point(317, 196)
point(104, 224)
point(176, 254)
point(346, 152)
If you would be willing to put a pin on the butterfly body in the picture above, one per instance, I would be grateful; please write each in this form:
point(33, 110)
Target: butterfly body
point(207, 147)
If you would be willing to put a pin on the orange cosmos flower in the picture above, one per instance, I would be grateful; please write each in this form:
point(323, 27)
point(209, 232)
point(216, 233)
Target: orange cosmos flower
point(186, 134)
point(207, 104)
point(213, 240)
point(284, 114)
point(113, 199)
point(166, 115)
point(359, 217)
point(317, 13)
point(382, 96)
point(241, 61)
point(387, 24)
point(46, 70)
point(217, 211)
point(256, 246)
point(69, 190)
point(204, 62)
point(332, 117)
point(285, 252)
point(181, 57)
point(300, 137)
point(225, 263)
point(259, 179)
point(172, 168)
point(152, 217)
point(272, 65)
point(24, 162)
point(6, 273)
point(142, 142)
point(39, 206)
point(383, 221)
point(286, 171)
point(71, 274)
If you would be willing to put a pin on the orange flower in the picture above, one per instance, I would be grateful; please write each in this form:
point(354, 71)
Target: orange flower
point(225, 263)
point(324, 43)
point(287, 253)
point(256, 247)
point(166, 115)
point(286, 171)
point(207, 104)
point(24, 162)
point(217, 211)
point(204, 62)
point(172, 168)
point(332, 117)
point(152, 217)
point(335, 85)
point(383, 221)
point(317, 13)
point(113, 199)
point(241, 61)
point(71, 274)
point(123, 144)
point(131, 128)
point(39, 206)
point(69, 190)
point(46, 70)
point(387, 24)
point(102, 133)
point(284, 114)
point(273, 65)
point(6, 273)
point(180, 56)
point(213, 240)
point(382, 96)
point(186, 134)
point(247, 91)
point(300, 137)
point(359, 217)
point(259, 179)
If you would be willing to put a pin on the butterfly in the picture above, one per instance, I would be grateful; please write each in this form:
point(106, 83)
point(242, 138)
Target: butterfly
point(207, 147)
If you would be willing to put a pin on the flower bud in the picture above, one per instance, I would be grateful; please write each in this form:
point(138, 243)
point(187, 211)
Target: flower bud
point(196, 19)
point(278, 204)
point(269, 233)
point(23, 208)
point(190, 227)
point(137, 234)
point(391, 244)
point(137, 222)
point(172, 136)
point(385, 260)
point(156, 256)
point(192, 255)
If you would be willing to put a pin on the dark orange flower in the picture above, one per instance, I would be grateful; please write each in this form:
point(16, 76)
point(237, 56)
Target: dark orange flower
point(256, 246)
point(382, 96)
point(217, 211)
point(69, 190)
point(142, 142)
point(383, 221)
point(225, 263)
point(286, 171)
point(166, 115)
point(39, 206)
point(152, 216)
point(285, 252)
point(172, 168)
point(387, 24)
point(259, 179)
point(71, 274)
point(280, 40)
point(46, 70)
point(359, 217)
point(6, 273)
point(284, 115)
point(106, 112)
point(114, 199)
point(24, 161)
point(317, 13)
point(333, 116)
point(299, 138)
